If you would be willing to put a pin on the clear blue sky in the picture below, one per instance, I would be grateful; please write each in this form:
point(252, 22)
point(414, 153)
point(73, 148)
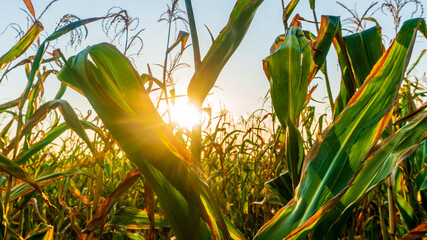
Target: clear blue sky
point(242, 81)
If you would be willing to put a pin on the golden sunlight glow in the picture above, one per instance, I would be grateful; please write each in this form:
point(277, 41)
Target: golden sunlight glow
point(185, 115)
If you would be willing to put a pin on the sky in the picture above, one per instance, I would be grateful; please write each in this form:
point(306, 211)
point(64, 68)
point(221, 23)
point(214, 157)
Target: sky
point(241, 85)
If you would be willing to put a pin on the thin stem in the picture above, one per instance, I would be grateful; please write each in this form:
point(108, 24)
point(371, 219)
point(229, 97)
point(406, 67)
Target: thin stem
point(98, 187)
point(196, 132)
point(383, 225)
point(126, 43)
point(315, 20)
point(193, 32)
point(165, 68)
point(283, 5)
point(284, 21)
point(6, 201)
point(391, 209)
point(196, 138)
point(328, 88)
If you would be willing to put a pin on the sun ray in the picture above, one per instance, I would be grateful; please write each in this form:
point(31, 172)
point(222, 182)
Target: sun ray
point(185, 115)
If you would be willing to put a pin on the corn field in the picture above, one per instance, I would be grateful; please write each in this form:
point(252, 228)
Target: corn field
point(125, 170)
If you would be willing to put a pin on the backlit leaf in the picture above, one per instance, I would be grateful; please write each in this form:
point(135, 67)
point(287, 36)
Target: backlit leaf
point(23, 44)
point(332, 162)
point(222, 49)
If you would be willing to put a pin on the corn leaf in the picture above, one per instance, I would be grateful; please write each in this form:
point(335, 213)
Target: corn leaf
point(332, 162)
point(10, 104)
point(281, 187)
point(108, 205)
point(52, 134)
point(15, 170)
point(222, 49)
point(69, 115)
point(25, 188)
point(402, 195)
point(357, 55)
point(114, 89)
point(182, 38)
point(22, 45)
point(329, 26)
point(372, 229)
point(416, 233)
point(42, 230)
point(289, 9)
point(133, 219)
point(290, 69)
point(312, 4)
point(38, 59)
point(376, 167)
point(421, 179)
point(364, 49)
point(30, 7)
point(76, 192)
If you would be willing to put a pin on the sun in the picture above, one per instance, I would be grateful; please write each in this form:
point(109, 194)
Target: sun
point(185, 115)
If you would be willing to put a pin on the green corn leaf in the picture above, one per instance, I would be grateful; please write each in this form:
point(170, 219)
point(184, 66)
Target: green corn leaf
point(417, 61)
point(290, 68)
point(132, 219)
point(47, 139)
point(329, 26)
point(312, 4)
point(38, 59)
point(69, 81)
point(364, 49)
point(333, 161)
point(61, 91)
point(108, 205)
point(15, 170)
point(70, 27)
point(52, 134)
point(405, 195)
point(222, 49)
point(372, 229)
point(234, 232)
point(126, 234)
point(294, 152)
point(407, 212)
point(35, 92)
point(290, 8)
point(70, 118)
point(114, 89)
point(281, 187)
point(376, 167)
point(23, 189)
point(22, 45)
point(357, 55)
point(421, 179)
point(10, 104)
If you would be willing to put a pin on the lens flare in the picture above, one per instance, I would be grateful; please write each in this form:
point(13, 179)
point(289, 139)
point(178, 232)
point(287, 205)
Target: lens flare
point(185, 115)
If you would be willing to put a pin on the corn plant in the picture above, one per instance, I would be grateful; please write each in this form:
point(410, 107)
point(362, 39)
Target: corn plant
point(350, 158)
point(361, 173)
point(316, 200)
